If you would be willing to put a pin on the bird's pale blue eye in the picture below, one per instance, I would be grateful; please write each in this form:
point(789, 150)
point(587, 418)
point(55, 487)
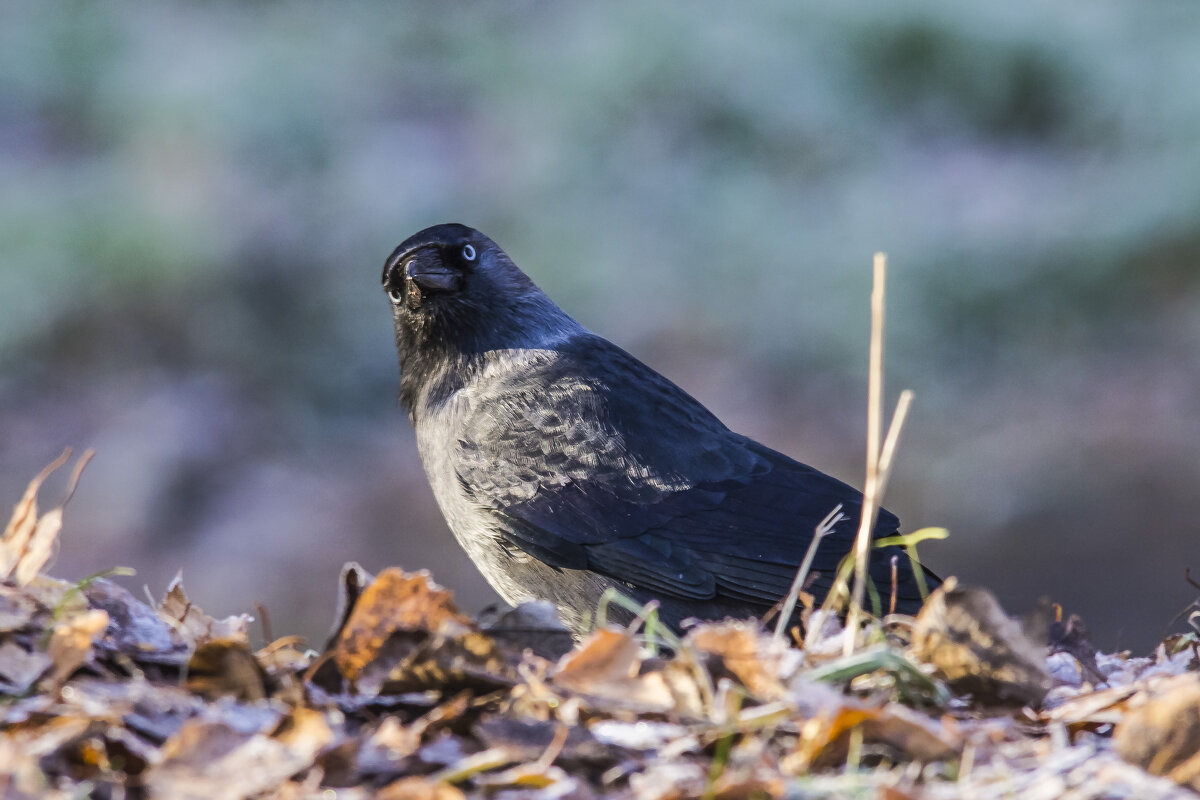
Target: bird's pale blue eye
point(395, 296)
point(468, 252)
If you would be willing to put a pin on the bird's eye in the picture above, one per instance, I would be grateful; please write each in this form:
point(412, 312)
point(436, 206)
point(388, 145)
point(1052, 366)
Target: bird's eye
point(468, 252)
point(396, 296)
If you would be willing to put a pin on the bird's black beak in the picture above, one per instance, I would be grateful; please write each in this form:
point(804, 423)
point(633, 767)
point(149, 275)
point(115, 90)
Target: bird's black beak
point(431, 275)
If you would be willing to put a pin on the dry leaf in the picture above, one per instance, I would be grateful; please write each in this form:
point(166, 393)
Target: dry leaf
point(405, 635)
point(1163, 734)
point(606, 655)
point(824, 739)
point(605, 667)
point(71, 643)
point(225, 667)
point(394, 601)
point(351, 583)
point(532, 740)
point(24, 518)
point(190, 621)
point(529, 776)
point(29, 540)
point(754, 657)
point(1095, 708)
point(415, 788)
point(979, 650)
point(208, 760)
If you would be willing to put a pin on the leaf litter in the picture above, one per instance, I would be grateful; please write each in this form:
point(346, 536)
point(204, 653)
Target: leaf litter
point(105, 695)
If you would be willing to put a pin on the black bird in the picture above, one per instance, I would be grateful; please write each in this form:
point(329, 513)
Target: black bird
point(565, 466)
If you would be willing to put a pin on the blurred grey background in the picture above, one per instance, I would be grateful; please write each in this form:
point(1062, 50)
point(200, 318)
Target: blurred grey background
point(196, 201)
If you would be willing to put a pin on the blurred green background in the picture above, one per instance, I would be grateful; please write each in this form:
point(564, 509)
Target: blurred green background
point(196, 201)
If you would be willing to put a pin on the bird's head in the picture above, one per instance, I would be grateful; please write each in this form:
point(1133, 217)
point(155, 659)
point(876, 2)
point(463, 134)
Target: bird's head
point(456, 294)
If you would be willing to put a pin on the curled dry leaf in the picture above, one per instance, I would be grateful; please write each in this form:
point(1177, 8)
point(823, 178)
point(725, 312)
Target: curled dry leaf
point(352, 581)
point(755, 658)
point(71, 643)
point(907, 736)
point(404, 634)
point(1102, 707)
point(978, 649)
point(225, 667)
point(1162, 735)
point(191, 623)
point(394, 601)
point(29, 539)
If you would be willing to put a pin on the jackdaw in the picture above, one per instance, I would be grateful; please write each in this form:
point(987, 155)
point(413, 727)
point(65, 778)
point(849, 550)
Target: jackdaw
point(565, 466)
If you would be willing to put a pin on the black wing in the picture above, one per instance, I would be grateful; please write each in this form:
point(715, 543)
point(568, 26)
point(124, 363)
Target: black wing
point(591, 460)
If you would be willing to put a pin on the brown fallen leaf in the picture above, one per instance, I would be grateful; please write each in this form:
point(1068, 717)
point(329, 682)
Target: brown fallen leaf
point(415, 788)
point(531, 740)
point(71, 644)
point(352, 581)
point(32, 755)
point(979, 650)
point(824, 739)
point(605, 668)
point(735, 786)
point(212, 760)
point(225, 667)
point(1163, 734)
point(191, 623)
point(394, 601)
point(754, 657)
point(404, 634)
point(1100, 707)
point(29, 539)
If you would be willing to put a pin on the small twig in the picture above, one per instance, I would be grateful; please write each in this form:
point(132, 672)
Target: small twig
point(893, 438)
point(854, 749)
point(879, 459)
point(77, 472)
point(966, 763)
point(1187, 576)
point(724, 747)
point(647, 613)
point(554, 749)
point(824, 529)
point(895, 584)
point(862, 542)
point(265, 620)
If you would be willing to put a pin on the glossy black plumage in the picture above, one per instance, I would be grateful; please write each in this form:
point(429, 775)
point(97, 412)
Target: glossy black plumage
point(564, 465)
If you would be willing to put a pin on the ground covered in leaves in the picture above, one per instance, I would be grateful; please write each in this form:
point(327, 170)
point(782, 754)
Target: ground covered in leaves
point(103, 694)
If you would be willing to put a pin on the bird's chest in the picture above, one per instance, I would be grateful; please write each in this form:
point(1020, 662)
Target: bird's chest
point(471, 523)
